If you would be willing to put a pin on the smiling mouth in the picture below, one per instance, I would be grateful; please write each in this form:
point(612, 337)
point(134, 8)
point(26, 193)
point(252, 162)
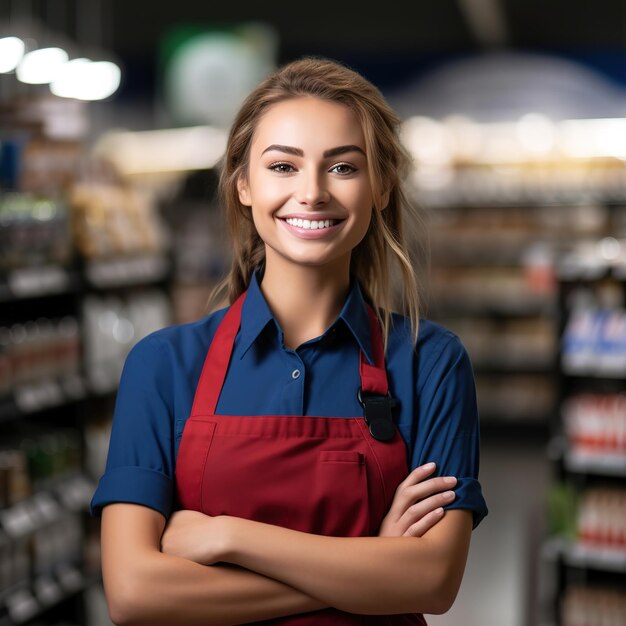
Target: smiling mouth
point(311, 224)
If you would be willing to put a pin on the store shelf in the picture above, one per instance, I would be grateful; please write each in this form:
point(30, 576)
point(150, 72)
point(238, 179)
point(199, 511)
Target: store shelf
point(28, 602)
point(613, 367)
point(604, 559)
point(47, 506)
point(122, 272)
point(610, 560)
point(41, 395)
point(603, 463)
point(37, 281)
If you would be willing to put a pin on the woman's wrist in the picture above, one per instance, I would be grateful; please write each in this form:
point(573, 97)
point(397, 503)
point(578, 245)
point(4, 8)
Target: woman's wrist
point(232, 535)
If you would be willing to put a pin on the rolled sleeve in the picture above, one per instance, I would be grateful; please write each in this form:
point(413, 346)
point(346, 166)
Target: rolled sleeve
point(448, 431)
point(136, 485)
point(140, 460)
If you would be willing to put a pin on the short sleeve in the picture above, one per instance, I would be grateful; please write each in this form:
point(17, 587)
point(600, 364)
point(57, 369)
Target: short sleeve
point(140, 459)
point(448, 430)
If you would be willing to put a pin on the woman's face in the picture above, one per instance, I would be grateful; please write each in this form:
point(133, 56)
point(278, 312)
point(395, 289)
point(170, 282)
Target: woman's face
point(308, 183)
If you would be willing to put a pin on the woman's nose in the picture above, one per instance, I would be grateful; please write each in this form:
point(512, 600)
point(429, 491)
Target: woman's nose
point(312, 190)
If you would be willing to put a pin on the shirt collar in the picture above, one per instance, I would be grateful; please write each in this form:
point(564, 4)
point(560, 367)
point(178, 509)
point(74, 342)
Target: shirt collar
point(256, 315)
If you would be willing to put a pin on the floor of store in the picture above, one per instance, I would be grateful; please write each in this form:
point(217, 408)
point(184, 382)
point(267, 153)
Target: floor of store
point(499, 583)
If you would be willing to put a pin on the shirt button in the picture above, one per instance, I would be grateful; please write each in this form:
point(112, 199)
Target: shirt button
point(295, 374)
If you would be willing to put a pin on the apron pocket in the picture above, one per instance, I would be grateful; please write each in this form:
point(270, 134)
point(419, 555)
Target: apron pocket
point(340, 494)
point(192, 455)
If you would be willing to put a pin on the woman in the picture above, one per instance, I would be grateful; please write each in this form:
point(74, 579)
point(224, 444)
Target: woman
point(269, 460)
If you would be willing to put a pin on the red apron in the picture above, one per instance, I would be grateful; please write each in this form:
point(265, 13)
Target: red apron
point(320, 475)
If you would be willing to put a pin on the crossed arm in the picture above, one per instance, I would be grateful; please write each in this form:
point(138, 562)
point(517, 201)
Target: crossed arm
point(157, 574)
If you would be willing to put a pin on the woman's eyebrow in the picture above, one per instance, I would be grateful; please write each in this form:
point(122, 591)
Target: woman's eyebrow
point(332, 152)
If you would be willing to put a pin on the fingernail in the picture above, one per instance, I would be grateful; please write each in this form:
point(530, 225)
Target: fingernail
point(450, 480)
point(430, 465)
point(448, 495)
point(439, 511)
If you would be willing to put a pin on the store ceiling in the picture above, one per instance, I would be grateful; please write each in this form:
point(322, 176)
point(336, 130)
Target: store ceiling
point(389, 41)
point(386, 40)
point(374, 27)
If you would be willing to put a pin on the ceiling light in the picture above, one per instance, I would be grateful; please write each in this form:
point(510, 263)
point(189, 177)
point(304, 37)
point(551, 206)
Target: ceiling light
point(11, 53)
point(41, 66)
point(84, 79)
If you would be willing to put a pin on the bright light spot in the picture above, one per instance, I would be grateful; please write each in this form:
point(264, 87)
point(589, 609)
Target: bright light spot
point(123, 331)
point(70, 78)
point(428, 141)
point(166, 150)
point(87, 80)
point(593, 138)
point(536, 134)
point(11, 53)
point(609, 248)
point(103, 81)
point(466, 136)
point(41, 66)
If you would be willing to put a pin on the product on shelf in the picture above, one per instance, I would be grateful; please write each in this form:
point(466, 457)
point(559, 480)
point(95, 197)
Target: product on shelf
point(34, 231)
point(37, 350)
point(112, 325)
point(595, 425)
point(507, 343)
point(594, 342)
point(113, 220)
point(41, 531)
point(593, 606)
point(520, 398)
point(602, 519)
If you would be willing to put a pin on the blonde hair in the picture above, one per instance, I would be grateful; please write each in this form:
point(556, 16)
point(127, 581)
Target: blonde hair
point(385, 243)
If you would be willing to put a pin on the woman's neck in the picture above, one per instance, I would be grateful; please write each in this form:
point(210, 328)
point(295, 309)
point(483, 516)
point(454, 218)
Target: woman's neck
point(305, 300)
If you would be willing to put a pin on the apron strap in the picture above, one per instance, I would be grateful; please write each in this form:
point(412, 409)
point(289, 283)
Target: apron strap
point(373, 377)
point(217, 360)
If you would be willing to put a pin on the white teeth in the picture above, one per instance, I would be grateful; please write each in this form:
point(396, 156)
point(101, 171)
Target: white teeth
point(310, 224)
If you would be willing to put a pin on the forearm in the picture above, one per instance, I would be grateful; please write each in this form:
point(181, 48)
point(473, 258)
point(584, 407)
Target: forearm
point(165, 590)
point(369, 575)
point(146, 586)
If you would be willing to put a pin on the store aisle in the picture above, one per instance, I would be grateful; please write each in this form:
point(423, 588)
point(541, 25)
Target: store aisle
point(498, 584)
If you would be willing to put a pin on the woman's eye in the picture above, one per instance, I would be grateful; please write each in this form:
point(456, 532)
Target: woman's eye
point(281, 168)
point(343, 168)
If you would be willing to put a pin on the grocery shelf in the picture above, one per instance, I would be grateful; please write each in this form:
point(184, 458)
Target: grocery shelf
point(31, 601)
point(37, 281)
point(47, 506)
point(138, 269)
point(40, 395)
point(602, 462)
point(604, 559)
point(613, 368)
point(577, 555)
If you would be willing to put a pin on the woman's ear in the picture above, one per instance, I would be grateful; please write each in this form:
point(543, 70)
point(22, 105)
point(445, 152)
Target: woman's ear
point(244, 191)
point(384, 200)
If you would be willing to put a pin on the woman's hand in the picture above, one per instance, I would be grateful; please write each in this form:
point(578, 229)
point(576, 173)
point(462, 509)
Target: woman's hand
point(195, 536)
point(417, 504)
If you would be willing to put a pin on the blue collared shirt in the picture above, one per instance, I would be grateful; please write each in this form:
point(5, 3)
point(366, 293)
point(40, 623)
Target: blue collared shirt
point(432, 379)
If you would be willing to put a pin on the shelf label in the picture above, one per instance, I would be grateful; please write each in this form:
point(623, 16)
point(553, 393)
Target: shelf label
point(38, 395)
point(17, 521)
point(47, 590)
point(34, 281)
point(21, 605)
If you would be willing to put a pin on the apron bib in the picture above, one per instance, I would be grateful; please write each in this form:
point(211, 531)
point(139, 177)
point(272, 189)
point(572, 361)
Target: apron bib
point(320, 475)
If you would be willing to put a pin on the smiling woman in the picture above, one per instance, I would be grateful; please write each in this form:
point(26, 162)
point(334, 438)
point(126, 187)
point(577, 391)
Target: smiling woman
point(308, 165)
point(291, 457)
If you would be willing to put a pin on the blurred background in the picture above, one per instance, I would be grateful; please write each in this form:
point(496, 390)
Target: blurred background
point(113, 116)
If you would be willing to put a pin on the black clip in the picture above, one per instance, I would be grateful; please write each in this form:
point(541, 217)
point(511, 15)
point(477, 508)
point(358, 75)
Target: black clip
point(377, 413)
